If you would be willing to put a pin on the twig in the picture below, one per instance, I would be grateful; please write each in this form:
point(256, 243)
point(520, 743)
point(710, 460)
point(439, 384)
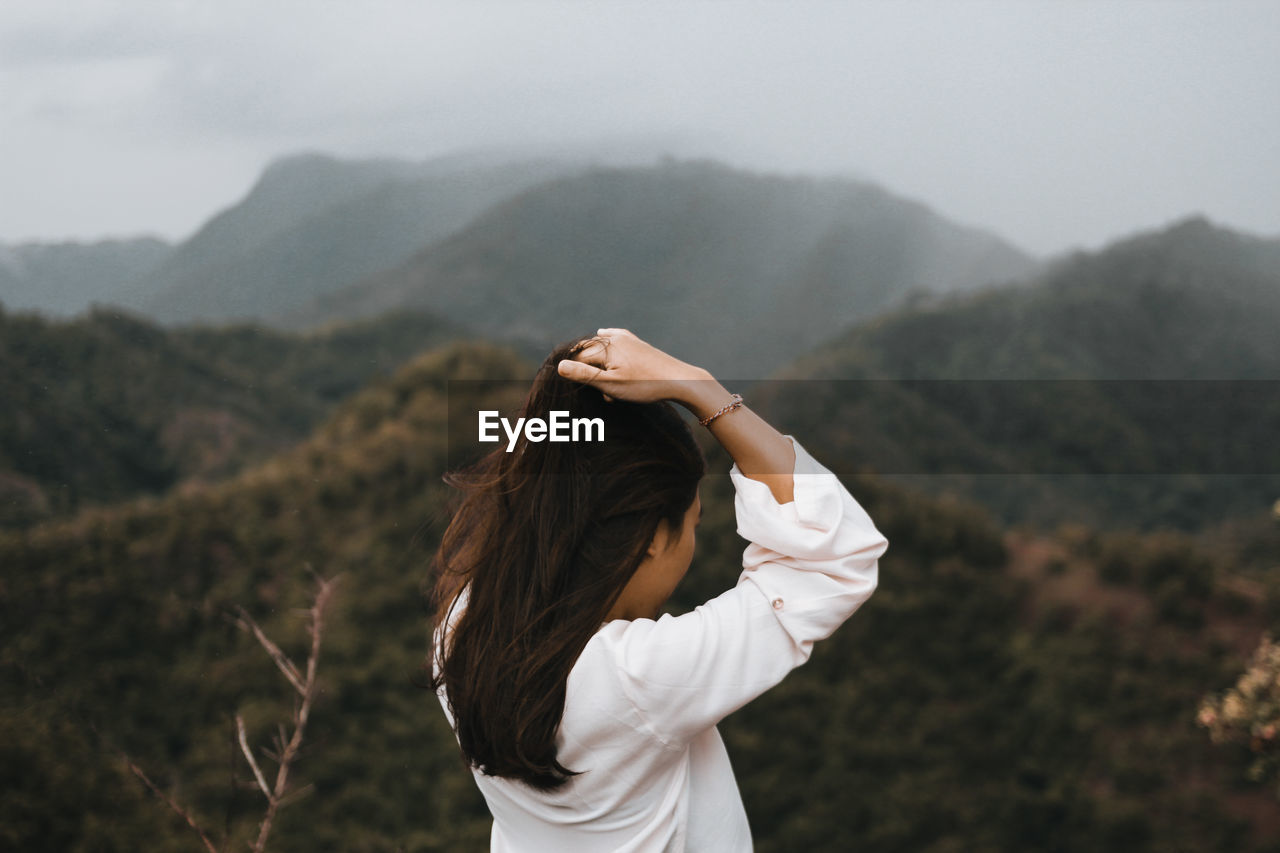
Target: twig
point(302, 711)
point(248, 755)
point(297, 795)
point(286, 666)
point(137, 771)
point(286, 751)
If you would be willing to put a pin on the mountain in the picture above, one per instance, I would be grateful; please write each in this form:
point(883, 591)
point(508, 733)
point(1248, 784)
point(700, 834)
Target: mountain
point(142, 408)
point(731, 269)
point(313, 223)
point(111, 406)
point(1133, 385)
point(61, 279)
point(1190, 301)
point(997, 692)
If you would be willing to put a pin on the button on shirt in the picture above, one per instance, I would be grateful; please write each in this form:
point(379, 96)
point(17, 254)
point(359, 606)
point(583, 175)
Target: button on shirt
point(644, 697)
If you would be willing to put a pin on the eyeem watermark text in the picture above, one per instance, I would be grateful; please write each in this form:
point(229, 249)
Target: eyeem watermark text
point(560, 427)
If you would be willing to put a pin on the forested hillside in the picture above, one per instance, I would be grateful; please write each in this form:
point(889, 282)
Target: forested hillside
point(110, 406)
point(998, 692)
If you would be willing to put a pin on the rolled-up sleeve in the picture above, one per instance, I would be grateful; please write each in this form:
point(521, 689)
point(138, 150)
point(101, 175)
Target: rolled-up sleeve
point(809, 565)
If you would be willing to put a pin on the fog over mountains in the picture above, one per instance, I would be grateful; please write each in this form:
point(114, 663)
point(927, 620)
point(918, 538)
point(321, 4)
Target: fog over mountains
point(694, 253)
point(311, 221)
point(697, 257)
point(331, 273)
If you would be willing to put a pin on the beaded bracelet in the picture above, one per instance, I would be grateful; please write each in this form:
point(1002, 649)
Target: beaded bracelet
point(737, 401)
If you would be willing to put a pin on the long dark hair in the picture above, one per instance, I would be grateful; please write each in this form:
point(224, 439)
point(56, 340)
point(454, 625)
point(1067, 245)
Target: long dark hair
point(542, 543)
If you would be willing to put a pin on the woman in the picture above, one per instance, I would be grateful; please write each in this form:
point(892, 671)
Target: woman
point(588, 719)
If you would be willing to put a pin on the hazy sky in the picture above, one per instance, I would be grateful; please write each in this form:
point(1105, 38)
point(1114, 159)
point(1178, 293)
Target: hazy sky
point(1056, 124)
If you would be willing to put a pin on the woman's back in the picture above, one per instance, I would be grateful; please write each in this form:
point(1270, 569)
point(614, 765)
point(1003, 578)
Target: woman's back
point(644, 696)
point(637, 792)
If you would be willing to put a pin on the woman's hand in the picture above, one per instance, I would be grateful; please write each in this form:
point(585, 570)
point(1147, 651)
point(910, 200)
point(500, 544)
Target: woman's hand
point(621, 365)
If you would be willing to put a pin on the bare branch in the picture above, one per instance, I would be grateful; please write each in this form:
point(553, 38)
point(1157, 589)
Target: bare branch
point(297, 795)
point(302, 711)
point(287, 748)
point(253, 763)
point(290, 671)
point(185, 815)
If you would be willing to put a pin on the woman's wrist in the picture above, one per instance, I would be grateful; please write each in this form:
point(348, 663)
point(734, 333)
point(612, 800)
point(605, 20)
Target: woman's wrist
point(701, 394)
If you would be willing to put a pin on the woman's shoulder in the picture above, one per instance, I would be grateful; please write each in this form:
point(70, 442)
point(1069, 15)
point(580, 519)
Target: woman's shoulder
point(600, 691)
point(615, 646)
point(676, 652)
point(626, 653)
point(678, 675)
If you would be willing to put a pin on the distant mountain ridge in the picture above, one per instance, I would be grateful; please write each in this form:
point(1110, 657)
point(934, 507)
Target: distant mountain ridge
point(311, 223)
point(1192, 304)
point(700, 256)
point(63, 278)
point(314, 223)
point(730, 268)
point(1189, 301)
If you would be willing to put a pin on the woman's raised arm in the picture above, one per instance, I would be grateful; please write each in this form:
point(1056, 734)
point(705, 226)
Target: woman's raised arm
point(621, 365)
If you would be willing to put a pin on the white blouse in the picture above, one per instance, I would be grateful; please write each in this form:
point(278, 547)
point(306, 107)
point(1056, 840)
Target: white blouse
point(643, 699)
